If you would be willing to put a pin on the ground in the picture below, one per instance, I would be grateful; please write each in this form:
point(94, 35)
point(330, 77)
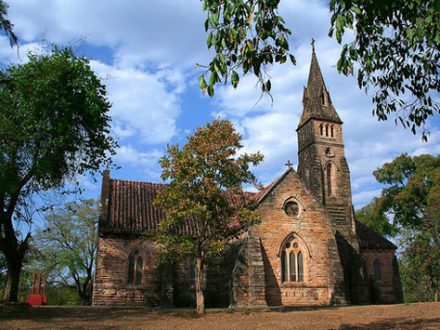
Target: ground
point(405, 316)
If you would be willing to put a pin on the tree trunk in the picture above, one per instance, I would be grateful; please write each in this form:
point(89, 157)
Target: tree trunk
point(14, 261)
point(436, 295)
point(200, 286)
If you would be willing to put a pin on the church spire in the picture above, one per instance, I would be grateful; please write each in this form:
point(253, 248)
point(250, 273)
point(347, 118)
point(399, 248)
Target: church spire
point(316, 100)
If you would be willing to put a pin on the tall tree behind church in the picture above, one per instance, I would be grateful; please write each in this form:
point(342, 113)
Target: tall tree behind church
point(206, 193)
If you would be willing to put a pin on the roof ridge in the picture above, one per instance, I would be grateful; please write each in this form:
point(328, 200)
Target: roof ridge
point(140, 182)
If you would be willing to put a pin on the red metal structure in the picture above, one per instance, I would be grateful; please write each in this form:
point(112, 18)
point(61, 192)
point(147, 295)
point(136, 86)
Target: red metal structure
point(36, 298)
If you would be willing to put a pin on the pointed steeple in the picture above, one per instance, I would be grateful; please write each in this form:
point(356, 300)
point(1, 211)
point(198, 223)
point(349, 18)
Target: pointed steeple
point(316, 100)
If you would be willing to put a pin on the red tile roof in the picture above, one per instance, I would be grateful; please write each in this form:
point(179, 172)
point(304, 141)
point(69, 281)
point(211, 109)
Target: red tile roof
point(130, 208)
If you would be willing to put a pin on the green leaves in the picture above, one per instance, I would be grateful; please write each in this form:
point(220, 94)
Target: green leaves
point(6, 25)
point(230, 27)
point(235, 78)
point(412, 183)
point(396, 47)
point(55, 116)
point(54, 125)
point(395, 50)
point(68, 245)
point(205, 188)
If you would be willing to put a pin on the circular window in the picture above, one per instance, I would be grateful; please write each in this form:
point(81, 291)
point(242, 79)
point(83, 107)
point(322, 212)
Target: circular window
point(291, 208)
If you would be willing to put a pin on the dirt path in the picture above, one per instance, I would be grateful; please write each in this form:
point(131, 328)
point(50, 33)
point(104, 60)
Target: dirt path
point(409, 316)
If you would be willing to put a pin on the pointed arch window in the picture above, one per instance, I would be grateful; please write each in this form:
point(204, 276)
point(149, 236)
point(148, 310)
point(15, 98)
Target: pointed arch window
point(135, 266)
point(321, 129)
point(329, 179)
point(326, 130)
point(292, 262)
point(331, 131)
point(377, 270)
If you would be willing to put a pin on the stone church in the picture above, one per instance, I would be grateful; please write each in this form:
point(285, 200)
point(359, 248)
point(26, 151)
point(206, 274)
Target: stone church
point(308, 249)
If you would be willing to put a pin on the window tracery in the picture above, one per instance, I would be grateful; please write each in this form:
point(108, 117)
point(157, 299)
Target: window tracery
point(292, 262)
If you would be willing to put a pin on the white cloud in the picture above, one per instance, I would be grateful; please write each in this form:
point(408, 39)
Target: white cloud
point(165, 33)
point(128, 157)
point(142, 103)
point(364, 197)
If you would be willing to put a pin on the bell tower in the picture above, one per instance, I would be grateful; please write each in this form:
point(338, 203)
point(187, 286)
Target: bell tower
point(321, 156)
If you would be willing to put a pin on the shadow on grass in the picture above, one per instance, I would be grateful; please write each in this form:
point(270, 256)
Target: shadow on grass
point(396, 323)
point(92, 314)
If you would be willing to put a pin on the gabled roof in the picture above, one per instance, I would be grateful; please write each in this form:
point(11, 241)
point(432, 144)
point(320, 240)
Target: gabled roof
point(370, 239)
point(313, 97)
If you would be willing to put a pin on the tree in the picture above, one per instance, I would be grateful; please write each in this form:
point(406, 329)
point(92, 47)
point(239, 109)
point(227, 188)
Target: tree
point(205, 194)
point(68, 245)
point(396, 49)
point(412, 184)
point(53, 127)
point(421, 257)
point(409, 209)
point(244, 34)
point(6, 25)
point(374, 217)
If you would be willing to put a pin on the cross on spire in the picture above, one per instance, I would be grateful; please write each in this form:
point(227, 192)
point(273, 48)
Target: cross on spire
point(313, 45)
point(288, 164)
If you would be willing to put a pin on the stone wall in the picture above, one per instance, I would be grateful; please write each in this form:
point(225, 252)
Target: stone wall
point(323, 277)
point(248, 277)
point(388, 288)
point(110, 286)
point(169, 285)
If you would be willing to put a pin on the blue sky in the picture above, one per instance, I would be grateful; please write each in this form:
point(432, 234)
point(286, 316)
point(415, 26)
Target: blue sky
point(146, 53)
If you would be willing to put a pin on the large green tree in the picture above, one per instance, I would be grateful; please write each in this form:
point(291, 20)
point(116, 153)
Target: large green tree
point(411, 186)
point(395, 49)
point(204, 202)
point(420, 261)
point(409, 209)
point(68, 244)
point(54, 126)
